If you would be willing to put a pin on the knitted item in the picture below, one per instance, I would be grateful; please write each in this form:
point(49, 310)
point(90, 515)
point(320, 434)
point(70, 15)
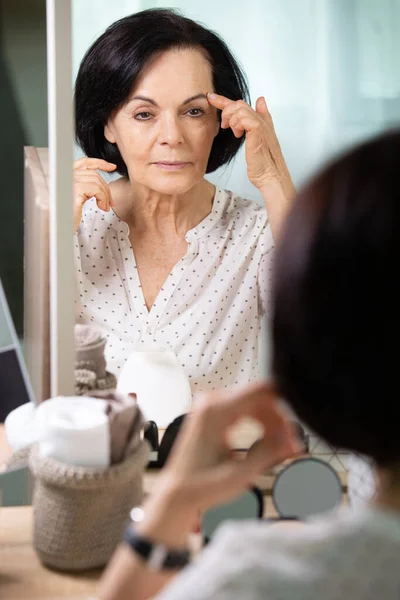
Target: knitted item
point(89, 348)
point(86, 382)
point(87, 335)
point(19, 459)
point(90, 365)
point(80, 513)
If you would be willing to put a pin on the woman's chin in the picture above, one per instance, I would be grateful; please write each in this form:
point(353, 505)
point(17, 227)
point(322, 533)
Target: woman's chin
point(173, 183)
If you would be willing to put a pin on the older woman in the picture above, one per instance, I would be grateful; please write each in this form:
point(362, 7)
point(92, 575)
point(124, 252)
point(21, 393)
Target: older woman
point(165, 259)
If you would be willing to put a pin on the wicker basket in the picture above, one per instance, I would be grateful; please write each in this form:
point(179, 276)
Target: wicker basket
point(80, 513)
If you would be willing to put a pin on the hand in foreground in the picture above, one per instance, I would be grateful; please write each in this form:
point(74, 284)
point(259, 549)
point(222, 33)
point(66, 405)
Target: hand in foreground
point(264, 158)
point(88, 183)
point(203, 469)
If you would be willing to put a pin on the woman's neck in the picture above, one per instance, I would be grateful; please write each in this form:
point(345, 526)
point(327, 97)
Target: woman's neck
point(146, 210)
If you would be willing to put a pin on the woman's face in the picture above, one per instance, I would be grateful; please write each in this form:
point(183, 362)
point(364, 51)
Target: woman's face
point(166, 129)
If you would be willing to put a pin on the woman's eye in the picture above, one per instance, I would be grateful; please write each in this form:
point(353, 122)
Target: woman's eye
point(195, 112)
point(143, 116)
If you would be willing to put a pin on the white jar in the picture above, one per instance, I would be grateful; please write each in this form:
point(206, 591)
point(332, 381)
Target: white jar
point(160, 384)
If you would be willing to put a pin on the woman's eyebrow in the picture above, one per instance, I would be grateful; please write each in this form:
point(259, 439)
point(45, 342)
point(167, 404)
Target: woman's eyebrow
point(143, 99)
point(151, 101)
point(196, 97)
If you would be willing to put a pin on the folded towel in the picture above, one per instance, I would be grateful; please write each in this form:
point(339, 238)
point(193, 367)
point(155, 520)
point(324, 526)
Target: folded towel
point(95, 431)
point(19, 427)
point(125, 421)
point(74, 431)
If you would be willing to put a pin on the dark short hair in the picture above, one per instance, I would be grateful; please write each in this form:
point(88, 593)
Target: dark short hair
point(336, 299)
point(114, 62)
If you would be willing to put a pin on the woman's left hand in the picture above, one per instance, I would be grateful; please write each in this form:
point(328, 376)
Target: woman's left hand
point(265, 162)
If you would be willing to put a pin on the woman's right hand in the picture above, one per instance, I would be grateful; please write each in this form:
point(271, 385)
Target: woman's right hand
point(201, 466)
point(88, 183)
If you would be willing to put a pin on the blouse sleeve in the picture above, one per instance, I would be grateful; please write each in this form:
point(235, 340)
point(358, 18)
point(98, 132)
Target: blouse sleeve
point(264, 281)
point(78, 278)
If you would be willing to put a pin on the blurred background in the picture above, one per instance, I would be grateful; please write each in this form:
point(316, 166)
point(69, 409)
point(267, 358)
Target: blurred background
point(23, 122)
point(329, 70)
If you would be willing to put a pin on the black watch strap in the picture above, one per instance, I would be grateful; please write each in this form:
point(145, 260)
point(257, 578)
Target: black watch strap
point(157, 556)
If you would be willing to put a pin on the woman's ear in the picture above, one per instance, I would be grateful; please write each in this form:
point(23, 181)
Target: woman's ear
point(108, 134)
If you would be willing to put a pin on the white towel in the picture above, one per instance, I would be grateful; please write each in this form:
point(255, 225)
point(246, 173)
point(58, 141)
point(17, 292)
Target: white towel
point(74, 430)
point(19, 427)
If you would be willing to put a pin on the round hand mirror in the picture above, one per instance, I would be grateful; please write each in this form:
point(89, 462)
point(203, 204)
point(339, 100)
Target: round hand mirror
point(305, 488)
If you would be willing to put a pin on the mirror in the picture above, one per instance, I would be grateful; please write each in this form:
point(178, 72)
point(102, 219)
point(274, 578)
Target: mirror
point(319, 66)
point(36, 272)
point(306, 488)
point(309, 59)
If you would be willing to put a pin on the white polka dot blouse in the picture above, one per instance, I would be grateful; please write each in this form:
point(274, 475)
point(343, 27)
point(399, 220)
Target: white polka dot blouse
point(209, 309)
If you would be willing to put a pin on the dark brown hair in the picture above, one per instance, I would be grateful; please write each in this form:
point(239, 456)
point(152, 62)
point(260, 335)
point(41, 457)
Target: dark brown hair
point(336, 321)
point(114, 62)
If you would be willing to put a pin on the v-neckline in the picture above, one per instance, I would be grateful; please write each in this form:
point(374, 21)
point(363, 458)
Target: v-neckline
point(150, 318)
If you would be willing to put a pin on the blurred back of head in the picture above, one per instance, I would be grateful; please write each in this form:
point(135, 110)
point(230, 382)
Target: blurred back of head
point(336, 321)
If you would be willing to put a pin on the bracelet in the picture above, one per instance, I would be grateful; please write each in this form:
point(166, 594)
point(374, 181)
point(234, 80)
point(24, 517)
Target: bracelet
point(157, 556)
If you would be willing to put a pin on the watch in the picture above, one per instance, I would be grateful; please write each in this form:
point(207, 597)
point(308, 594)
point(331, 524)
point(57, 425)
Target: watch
point(157, 556)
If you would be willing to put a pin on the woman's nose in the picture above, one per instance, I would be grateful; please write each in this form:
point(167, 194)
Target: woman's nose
point(170, 131)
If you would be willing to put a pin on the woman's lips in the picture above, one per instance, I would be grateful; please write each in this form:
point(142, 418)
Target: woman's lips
point(172, 166)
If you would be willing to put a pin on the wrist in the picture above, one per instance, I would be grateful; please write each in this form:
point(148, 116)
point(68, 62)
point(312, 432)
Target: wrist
point(169, 516)
point(278, 188)
point(272, 191)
